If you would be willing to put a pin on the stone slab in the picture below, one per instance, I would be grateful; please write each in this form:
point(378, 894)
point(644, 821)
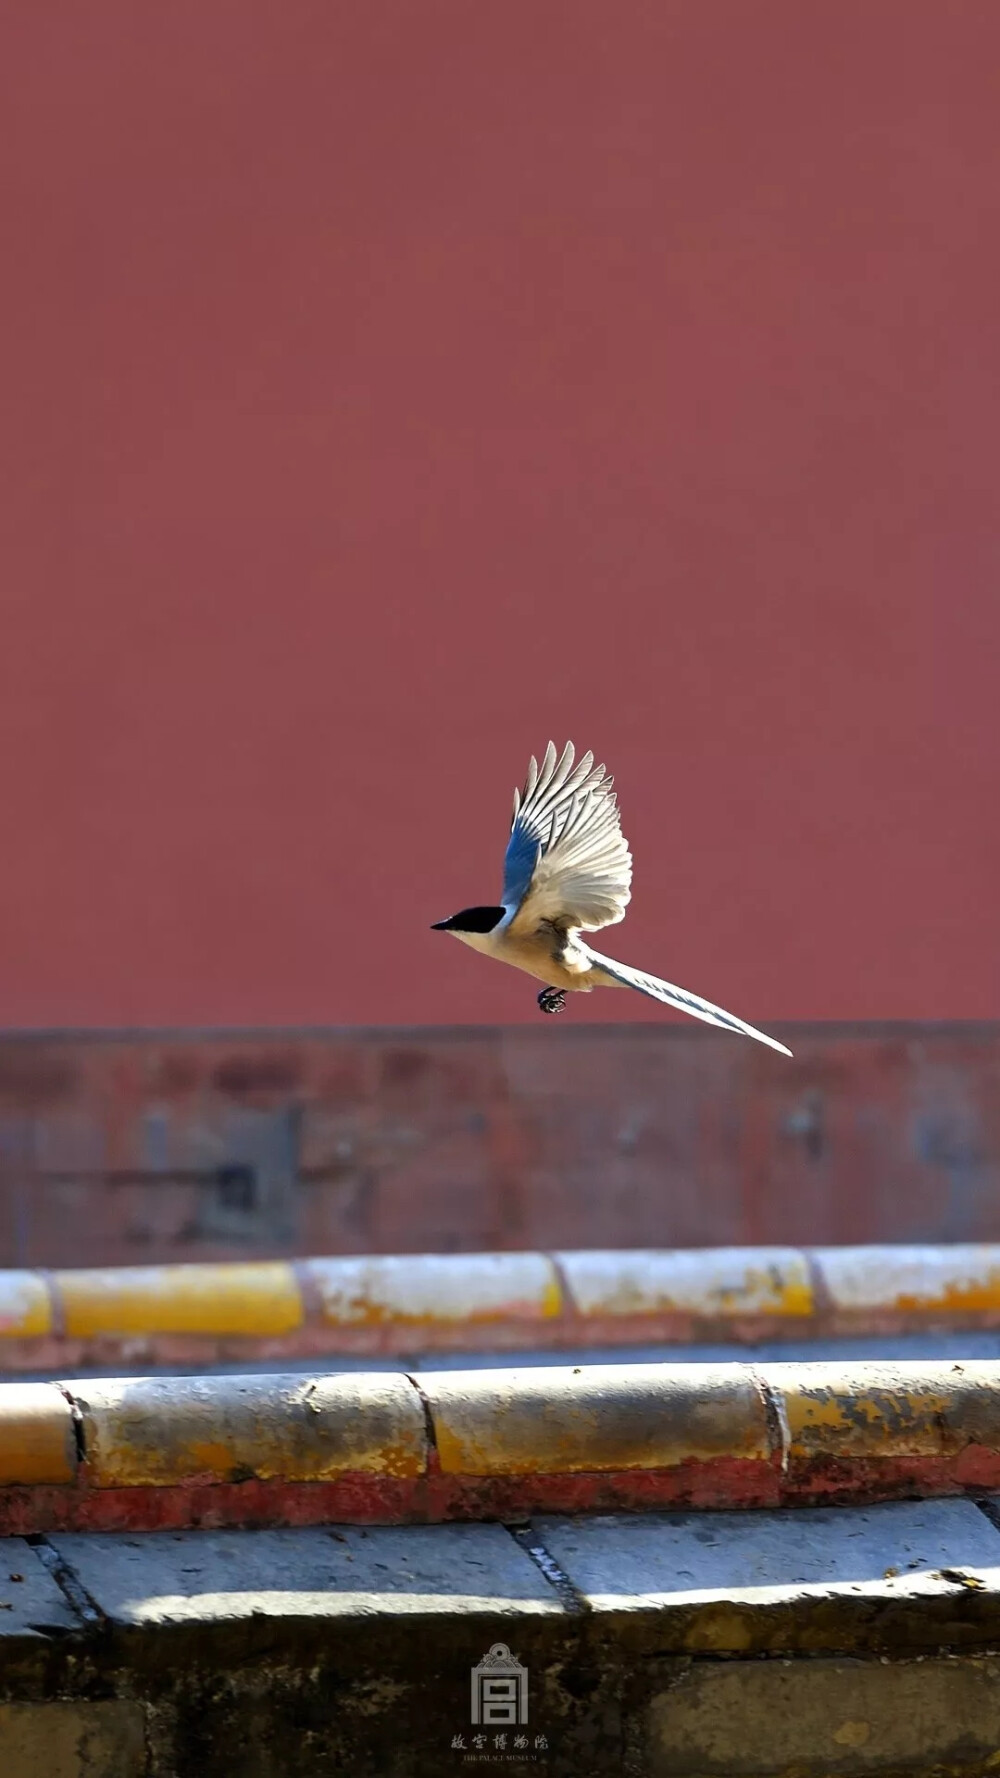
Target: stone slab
point(160, 1577)
point(910, 1574)
point(32, 1604)
point(291, 1653)
point(622, 1560)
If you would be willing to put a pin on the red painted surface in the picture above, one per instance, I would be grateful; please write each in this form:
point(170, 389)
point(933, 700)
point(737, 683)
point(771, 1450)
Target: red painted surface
point(387, 388)
point(123, 1150)
point(727, 1483)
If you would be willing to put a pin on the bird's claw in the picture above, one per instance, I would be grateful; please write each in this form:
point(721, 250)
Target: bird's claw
point(552, 999)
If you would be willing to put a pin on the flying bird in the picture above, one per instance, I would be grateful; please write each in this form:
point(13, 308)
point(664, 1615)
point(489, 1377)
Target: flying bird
point(567, 871)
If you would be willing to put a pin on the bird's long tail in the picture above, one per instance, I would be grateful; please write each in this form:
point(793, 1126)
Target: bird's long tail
point(681, 999)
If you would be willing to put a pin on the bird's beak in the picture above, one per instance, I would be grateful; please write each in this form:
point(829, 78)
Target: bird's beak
point(440, 925)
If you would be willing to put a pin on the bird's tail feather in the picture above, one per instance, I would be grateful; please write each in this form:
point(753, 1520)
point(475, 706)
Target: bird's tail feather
point(681, 999)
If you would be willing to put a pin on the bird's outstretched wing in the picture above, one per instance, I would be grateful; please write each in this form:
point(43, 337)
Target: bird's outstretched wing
point(566, 858)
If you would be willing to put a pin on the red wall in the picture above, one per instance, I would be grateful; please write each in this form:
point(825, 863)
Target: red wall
point(131, 1148)
point(387, 387)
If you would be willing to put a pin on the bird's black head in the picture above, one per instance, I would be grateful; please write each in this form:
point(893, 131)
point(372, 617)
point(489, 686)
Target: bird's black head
point(471, 920)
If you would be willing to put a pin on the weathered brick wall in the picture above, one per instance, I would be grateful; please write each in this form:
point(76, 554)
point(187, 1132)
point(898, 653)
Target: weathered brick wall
point(166, 1146)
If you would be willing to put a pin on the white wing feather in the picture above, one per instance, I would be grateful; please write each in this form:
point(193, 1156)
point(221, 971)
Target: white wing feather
point(567, 860)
